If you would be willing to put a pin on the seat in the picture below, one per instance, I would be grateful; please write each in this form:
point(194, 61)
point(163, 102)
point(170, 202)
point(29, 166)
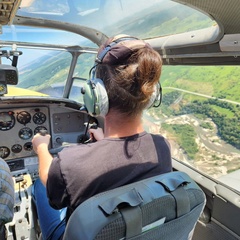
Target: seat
point(166, 207)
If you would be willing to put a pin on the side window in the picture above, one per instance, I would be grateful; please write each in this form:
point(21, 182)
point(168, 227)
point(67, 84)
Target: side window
point(84, 65)
point(81, 75)
point(200, 115)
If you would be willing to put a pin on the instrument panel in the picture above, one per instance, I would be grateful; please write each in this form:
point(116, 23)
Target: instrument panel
point(19, 122)
point(17, 127)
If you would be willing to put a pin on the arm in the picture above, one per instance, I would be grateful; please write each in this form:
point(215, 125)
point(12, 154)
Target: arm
point(40, 146)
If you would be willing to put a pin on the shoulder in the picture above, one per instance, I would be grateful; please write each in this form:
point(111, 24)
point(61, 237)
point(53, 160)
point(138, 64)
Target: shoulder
point(162, 145)
point(5, 174)
point(159, 138)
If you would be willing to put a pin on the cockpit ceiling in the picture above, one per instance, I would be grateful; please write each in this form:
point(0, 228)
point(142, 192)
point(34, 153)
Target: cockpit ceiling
point(225, 13)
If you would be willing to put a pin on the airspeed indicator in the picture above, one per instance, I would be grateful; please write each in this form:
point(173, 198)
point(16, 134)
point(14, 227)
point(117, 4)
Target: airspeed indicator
point(39, 118)
point(25, 133)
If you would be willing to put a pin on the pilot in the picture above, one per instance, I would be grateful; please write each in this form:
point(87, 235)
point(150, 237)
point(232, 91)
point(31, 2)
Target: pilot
point(125, 77)
point(6, 197)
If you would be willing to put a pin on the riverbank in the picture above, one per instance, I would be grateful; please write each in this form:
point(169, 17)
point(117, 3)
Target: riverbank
point(215, 157)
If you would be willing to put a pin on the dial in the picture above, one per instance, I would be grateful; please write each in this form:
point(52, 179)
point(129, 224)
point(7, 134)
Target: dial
point(39, 118)
point(3, 88)
point(4, 152)
point(28, 146)
point(16, 148)
point(24, 117)
point(25, 133)
point(7, 120)
point(37, 129)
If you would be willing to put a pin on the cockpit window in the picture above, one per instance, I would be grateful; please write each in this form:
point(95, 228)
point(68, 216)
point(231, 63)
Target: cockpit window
point(114, 17)
point(199, 115)
point(41, 72)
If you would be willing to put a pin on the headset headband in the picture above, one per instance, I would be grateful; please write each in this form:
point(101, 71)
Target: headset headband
point(119, 48)
point(102, 54)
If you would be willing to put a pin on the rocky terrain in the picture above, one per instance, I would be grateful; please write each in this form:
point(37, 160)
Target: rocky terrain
point(214, 157)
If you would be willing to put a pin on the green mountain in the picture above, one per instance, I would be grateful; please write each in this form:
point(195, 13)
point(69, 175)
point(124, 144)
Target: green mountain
point(216, 81)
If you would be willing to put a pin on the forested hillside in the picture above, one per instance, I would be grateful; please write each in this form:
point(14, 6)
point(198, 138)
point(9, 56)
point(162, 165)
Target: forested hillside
point(215, 81)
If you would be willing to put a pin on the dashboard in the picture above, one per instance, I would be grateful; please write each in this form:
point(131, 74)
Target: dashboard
point(20, 119)
point(17, 126)
point(19, 122)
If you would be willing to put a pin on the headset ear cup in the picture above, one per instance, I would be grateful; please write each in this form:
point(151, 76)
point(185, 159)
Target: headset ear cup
point(156, 97)
point(95, 98)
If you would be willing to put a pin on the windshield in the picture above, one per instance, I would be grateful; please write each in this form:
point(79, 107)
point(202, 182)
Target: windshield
point(45, 64)
point(200, 110)
point(115, 17)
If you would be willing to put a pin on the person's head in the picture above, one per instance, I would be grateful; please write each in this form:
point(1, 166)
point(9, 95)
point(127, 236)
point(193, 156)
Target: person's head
point(130, 71)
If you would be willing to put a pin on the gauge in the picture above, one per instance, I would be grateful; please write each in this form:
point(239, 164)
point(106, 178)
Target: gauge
point(39, 118)
point(7, 120)
point(25, 133)
point(4, 152)
point(16, 148)
point(37, 129)
point(3, 88)
point(28, 146)
point(24, 117)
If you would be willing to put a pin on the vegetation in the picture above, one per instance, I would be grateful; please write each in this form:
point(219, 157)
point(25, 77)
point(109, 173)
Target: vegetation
point(226, 116)
point(167, 23)
point(221, 82)
point(217, 82)
point(227, 124)
point(185, 137)
point(54, 69)
point(206, 125)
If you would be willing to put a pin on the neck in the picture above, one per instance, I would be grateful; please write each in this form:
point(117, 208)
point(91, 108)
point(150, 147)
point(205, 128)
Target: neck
point(118, 125)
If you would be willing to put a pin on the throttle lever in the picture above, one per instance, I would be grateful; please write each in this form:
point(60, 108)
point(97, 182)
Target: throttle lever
point(93, 126)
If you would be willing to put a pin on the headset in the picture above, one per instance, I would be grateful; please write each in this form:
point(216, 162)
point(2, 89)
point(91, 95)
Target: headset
point(94, 93)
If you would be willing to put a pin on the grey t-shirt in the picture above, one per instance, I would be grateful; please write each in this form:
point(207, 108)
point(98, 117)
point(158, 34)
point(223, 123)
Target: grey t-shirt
point(82, 171)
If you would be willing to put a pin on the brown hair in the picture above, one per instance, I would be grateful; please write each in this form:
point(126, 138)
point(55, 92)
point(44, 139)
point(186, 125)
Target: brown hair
point(130, 83)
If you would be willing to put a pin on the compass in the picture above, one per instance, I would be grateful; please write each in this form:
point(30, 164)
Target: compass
point(3, 89)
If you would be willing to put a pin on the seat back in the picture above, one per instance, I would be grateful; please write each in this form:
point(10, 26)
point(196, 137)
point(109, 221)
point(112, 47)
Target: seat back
point(166, 207)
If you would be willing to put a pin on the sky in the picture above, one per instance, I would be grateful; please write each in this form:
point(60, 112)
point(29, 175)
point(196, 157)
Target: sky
point(44, 35)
